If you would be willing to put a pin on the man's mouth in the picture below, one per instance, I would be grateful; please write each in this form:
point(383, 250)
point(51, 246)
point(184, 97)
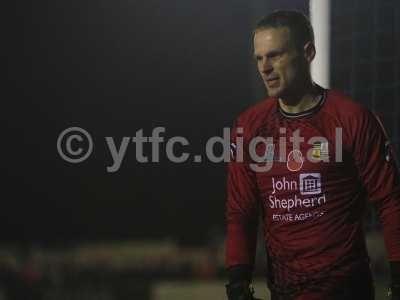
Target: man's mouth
point(272, 81)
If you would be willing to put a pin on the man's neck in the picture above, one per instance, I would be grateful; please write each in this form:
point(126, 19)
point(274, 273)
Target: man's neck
point(303, 99)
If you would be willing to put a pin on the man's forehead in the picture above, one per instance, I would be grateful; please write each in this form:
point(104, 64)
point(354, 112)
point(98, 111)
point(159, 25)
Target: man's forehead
point(279, 36)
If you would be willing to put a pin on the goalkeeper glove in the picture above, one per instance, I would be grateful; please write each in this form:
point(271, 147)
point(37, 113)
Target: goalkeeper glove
point(239, 287)
point(394, 289)
point(240, 291)
point(394, 292)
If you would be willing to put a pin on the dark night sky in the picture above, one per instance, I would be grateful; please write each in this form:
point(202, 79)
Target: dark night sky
point(113, 68)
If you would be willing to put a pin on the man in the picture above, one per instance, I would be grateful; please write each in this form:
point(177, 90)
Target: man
point(306, 161)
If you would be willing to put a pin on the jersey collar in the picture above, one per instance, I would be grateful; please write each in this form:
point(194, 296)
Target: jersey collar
point(312, 110)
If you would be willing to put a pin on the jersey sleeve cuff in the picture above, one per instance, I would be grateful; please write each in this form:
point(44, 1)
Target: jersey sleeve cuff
point(395, 272)
point(240, 273)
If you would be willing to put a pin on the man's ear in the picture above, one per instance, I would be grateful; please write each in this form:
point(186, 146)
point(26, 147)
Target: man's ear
point(309, 51)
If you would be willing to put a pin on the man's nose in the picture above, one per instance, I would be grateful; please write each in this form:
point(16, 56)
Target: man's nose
point(266, 66)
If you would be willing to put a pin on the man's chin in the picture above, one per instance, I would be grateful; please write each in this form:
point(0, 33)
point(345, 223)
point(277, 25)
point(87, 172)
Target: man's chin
point(273, 92)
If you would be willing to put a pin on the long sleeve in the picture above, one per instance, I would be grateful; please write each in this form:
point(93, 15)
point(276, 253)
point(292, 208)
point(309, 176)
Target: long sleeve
point(242, 207)
point(375, 161)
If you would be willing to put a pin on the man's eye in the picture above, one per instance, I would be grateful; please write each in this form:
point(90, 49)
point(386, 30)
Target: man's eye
point(274, 55)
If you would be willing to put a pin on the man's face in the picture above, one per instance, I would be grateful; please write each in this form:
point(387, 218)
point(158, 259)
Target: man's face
point(278, 61)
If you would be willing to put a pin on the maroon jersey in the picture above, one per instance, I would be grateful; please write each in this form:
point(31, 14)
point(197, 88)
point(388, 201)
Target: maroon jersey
point(311, 197)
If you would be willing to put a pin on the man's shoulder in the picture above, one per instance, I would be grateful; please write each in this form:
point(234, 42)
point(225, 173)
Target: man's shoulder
point(257, 112)
point(351, 115)
point(342, 105)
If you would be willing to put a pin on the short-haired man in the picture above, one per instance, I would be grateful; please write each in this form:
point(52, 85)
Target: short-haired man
point(306, 161)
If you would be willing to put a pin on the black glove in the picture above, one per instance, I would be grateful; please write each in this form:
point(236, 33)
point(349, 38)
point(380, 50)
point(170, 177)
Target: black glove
point(240, 291)
point(394, 292)
point(394, 289)
point(239, 287)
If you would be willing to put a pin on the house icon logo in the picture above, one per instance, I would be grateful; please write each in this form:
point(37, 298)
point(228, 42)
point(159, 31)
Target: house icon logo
point(310, 183)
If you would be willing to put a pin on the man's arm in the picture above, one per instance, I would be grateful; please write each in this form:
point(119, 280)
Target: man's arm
point(242, 208)
point(379, 173)
point(394, 291)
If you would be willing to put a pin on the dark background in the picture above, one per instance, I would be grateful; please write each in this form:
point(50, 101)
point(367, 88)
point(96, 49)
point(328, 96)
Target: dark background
point(114, 68)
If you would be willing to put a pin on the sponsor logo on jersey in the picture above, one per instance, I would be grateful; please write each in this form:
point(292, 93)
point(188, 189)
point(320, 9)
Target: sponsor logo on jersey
point(269, 152)
point(295, 160)
point(320, 151)
point(233, 151)
point(388, 155)
point(297, 200)
point(310, 183)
